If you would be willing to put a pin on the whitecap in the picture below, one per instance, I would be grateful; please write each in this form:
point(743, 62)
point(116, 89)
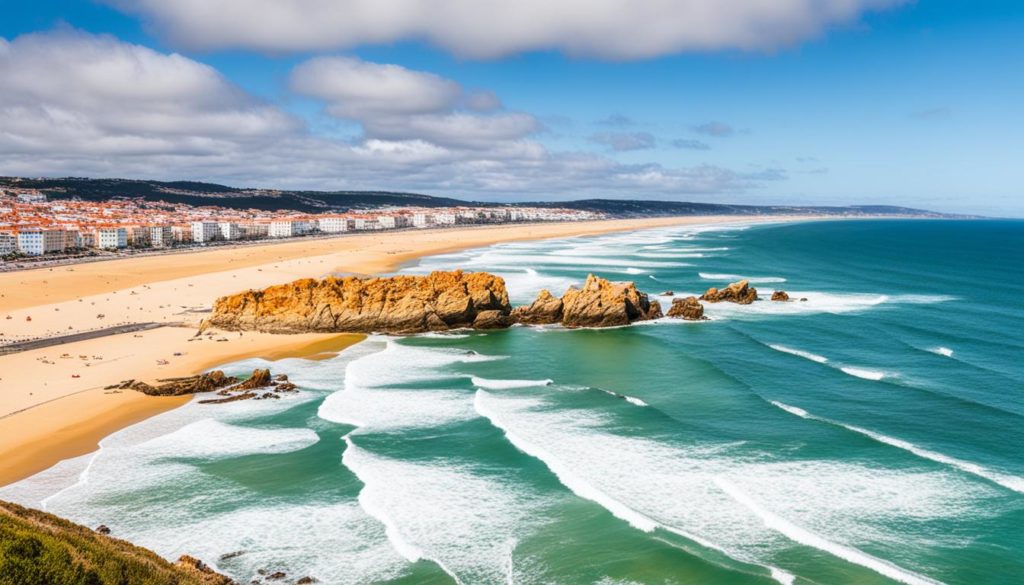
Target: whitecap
point(1007, 481)
point(738, 277)
point(507, 384)
point(797, 352)
point(864, 373)
point(944, 351)
point(466, 523)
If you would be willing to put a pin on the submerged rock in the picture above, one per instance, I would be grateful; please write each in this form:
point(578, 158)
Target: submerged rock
point(780, 295)
point(599, 303)
point(738, 292)
point(397, 304)
point(689, 309)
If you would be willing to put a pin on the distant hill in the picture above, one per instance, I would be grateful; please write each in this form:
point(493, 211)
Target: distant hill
point(199, 194)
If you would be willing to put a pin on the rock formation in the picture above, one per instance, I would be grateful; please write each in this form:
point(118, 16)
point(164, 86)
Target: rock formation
point(780, 295)
point(738, 292)
point(207, 382)
point(397, 304)
point(227, 387)
point(689, 309)
point(599, 303)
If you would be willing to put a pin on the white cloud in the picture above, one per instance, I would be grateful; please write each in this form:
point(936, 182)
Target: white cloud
point(617, 29)
point(395, 103)
point(72, 103)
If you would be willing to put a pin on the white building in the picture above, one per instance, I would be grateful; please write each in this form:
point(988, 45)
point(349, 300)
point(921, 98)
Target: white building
point(253, 231)
point(161, 236)
point(205, 231)
point(229, 231)
point(333, 225)
point(444, 219)
point(32, 197)
point(8, 244)
point(39, 242)
point(111, 238)
point(361, 223)
point(289, 228)
point(139, 236)
point(421, 220)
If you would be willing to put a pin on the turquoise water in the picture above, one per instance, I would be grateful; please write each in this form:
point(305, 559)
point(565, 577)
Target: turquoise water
point(872, 434)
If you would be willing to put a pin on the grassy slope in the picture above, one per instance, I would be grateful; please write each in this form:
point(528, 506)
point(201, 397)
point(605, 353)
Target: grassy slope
point(37, 548)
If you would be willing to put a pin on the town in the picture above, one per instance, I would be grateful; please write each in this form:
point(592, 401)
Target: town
point(33, 226)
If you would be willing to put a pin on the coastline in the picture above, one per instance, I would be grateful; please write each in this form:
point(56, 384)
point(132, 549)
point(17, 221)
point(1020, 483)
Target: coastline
point(54, 407)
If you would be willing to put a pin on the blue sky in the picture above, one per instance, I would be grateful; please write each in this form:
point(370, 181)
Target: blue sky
point(890, 102)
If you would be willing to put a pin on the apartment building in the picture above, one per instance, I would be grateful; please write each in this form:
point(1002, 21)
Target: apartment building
point(229, 230)
point(8, 244)
point(111, 238)
point(161, 236)
point(334, 225)
point(38, 242)
point(289, 228)
point(205, 231)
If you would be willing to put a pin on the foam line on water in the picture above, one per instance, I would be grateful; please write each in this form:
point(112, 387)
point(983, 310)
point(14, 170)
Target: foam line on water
point(808, 538)
point(799, 352)
point(737, 277)
point(943, 351)
point(865, 373)
point(507, 384)
point(466, 522)
point(1009, 482)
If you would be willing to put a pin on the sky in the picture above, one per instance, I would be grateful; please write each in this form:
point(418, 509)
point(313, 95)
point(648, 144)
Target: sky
point(829, 102)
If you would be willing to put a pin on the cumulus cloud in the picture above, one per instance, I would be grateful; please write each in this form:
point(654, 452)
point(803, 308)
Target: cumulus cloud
point(395, 103)
point(713, 128)
point(73, 103)
point(624, 141)
point(616, 29)
point(74, 92)
point(690, 144)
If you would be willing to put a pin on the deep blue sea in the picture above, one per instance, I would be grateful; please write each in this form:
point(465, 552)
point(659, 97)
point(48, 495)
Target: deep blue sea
point(871, 434)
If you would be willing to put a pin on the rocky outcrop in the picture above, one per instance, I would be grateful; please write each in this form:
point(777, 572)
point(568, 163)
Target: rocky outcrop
point(689, 309)
point(227, 387)
point(397, 304)
point(780, 295)
point(738, 292)
point(599, 303)
point(207, 382)
point(545, 309)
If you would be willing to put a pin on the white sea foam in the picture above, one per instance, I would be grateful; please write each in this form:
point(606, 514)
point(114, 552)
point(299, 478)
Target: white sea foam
point(808, 538)
point(1008, 481)
point(520, 260)
point(797, 352)
point(942, 351)
point(212, 439)
point(507, 384)
point(466, 523)
point(390, 408)
point(442, 335)
point(652, 484)
point(817, 302)
point(736, 277)
point(633, 400)
point(864, 373)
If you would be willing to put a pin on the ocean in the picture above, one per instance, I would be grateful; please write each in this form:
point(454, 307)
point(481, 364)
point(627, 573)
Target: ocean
point(871, 434)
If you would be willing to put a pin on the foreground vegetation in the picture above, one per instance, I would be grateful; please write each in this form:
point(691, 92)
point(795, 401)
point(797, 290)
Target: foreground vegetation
point(37, 548)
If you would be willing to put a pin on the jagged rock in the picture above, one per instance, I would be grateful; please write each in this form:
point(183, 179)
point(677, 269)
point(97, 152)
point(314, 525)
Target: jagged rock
point(545, 309)
point(599, 303)
point(689, 309)
point(780, 295)
point(201, 571)
point(281, 378)
point(260, 379)
point(229, 398)
point(668, 293)
point(285, 387)
point(103, 529)
point(232, 555)
point(307, 581)
point(397, 304)
point(738, 292)
point(179, 386)
point(491, 320)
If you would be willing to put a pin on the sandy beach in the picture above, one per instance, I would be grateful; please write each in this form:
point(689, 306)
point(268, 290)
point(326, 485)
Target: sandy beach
point(52, 402)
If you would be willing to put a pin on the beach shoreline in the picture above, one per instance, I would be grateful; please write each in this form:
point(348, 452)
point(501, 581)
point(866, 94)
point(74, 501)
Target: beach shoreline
point(52, 402)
